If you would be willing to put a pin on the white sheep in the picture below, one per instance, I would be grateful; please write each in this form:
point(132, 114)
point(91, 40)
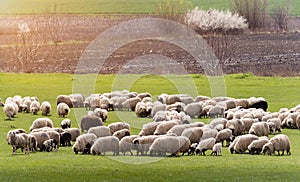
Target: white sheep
point(193, 134)
point(278, 143)
point(242, 142)
point(208, 133)
point(31, 143)
point(178, 129)
point(205, 145)
point(130, 103)
point(75, 132)
point(90, 121)
point(148, 128)
point(83, 142)
point(236, 126)
point(101, 113)
point(243, 103)
point(40, 138)
point(35, 107)
point(141, 110)
point(45, 108)
point(216, 111)
point(10, 110)
point(126, 144)
point(184, 144)
point(64, 99)
point(298, 121)
point(121, 133)
point(56, 137)
point(218, 121)
point(105, 144)
point(40, 123)
point(257, 145)
point(26, 105)
point(142, 144)
point(106, 104)
point(164, 127)
point(77, 100)
point(260, 129)
point(248, 122)
point(274, 125)
point(163, 145)
point(100, 131)
point(18, 140)
point(157, 106)
point(193, 109)
point(224, 135)
point(66, 123)
point(217, 149)
point(118, 126)
point(62, 109)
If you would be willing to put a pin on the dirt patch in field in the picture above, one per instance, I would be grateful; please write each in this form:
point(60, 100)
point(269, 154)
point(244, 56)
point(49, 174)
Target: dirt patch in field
point(265, 54)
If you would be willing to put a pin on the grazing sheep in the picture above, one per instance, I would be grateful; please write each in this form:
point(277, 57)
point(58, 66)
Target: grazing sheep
point(257, 145)
point(121, 133)
point(205, 145)
point(90, 121)
point(77, 100)
point(105, 144)
point(100, 131)
point(10, 110)
point(278, 143)
point(200, 98)
point(193, 134)
point(216, 111)
point(18, 140)
point(148, 128)
point(208, 133)
point(40, 138)
point(75, 132)
point(64, 99)
point(118, 126)
point(218, 121)
point(171, 99)
point(184, 144)
point(144, 95)
point(242, 143)
point(142, 144)
point(160, 116)
point(248, 122)
point(236, 126)
point(66, 123)
point(56, 137)
point(243, 103)
point(192, 149)
point(130, 103)
point(19, 101)
point(45, 108)
point(106, 104)
point(274, 125)
point(297, 122)
point(217, 150)
point(224, 135)
point(35, 107)
point(193, 109)
point(141, 110)
point(62, 109)
point(40, 123)
point(157, 106)
point(163, 145)
point(164, 127)
point(205, 111)
point(178, 129)
point(48, 145)
point(101, 113)
point(26, 105)
point(258, 103)
point(31, 143)
point(17, 131)
point(260, 129)
point(83, 141)
point(126, 144)
point(65, 139)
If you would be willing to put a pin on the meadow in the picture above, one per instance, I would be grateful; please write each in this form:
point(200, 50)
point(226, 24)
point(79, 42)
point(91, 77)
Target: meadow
point(109, 6)
point(65, 165)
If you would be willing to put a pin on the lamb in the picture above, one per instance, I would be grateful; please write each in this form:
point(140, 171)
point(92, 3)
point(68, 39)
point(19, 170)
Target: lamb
point(45, 108)
point(118, 126)
point(18, 140)
point(193, 109)
point(10, 110)
point(130, 103)
point(62, 109)
point(65, 139)
point(224, 135)
point(40, 123)
point(274, 125)
point(205, 145)
point(142, 144)
point(193, 134)
point(40, 138)
point(66, 123)
point(90, 121)
point(164, 127)
point(242, 143)
point(48, 145)
point(257, 145)
point(77, 100)
point(260, 129)
point(121, 133)
point(84, 141)
point(101, 113)
point(126, 144)
point(64, 99)
point(278, 143)
point(216, 111)
point(100, 131)
point(75, 132)
point(236, 126)
point(163, 145)
point(148, 128)
point(35, 107)
point(105, 144)
point(192, 148)
point(217, 149)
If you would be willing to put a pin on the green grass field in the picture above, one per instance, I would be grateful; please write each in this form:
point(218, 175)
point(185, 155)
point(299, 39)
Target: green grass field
point(107, 6)
point(65, 165)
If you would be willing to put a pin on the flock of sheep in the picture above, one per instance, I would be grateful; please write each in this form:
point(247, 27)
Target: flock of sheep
point(239, 124)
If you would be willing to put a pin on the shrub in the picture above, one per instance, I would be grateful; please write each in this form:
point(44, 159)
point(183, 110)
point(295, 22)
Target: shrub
point(173, 9)
point(215, 21)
